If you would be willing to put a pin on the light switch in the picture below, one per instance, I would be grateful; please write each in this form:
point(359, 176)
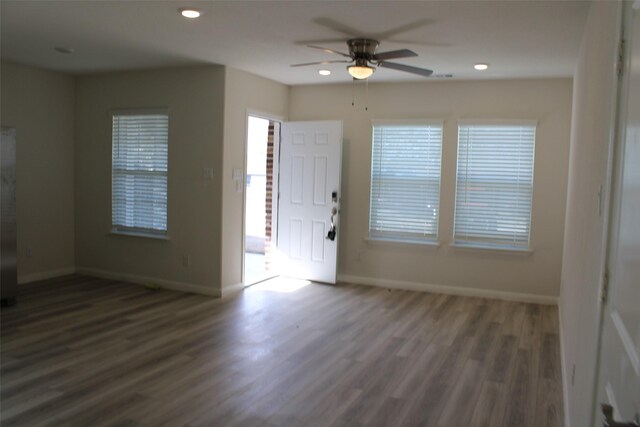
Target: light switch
point(237, 174)
point(207, 173)
point(238, 186)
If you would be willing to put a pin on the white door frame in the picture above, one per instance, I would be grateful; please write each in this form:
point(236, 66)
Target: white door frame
point(276, 175)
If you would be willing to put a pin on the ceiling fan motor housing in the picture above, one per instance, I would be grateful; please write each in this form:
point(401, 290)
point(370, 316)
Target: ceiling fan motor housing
point(362, 48)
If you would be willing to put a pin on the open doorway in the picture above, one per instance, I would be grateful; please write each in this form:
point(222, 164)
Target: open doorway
point(292, 200)
point(260, 208)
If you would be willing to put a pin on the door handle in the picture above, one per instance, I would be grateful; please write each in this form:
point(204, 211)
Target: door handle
point(331, 235)
point(607, 412)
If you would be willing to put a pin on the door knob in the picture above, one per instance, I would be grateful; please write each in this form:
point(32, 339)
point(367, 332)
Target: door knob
point(607, 412)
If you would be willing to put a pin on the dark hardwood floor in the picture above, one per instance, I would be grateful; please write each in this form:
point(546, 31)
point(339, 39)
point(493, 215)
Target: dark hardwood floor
point(80, 351)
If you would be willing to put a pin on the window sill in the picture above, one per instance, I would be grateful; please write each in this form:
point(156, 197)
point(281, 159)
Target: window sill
point(434, 244)
point(491, 248)
point(139, 234)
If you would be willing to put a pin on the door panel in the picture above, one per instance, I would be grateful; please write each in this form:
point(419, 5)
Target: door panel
point(320, 181)
point(310, 159)
point(619, 380)
point(297, 180)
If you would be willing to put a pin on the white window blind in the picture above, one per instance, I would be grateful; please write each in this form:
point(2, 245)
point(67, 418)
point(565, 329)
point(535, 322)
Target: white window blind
point(494, 184)
point(139, 172)
point(405, 181)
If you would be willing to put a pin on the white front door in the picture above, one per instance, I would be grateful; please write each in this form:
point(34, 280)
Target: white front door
point(619, 378)
point(310, 166)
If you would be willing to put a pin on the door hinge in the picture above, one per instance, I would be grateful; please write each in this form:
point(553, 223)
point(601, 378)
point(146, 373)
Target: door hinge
point(604, 291)
point(620, 65)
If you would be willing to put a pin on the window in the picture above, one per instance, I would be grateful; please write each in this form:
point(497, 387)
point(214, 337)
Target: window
point(139, 172)
point(494, 184)
point(405, 180)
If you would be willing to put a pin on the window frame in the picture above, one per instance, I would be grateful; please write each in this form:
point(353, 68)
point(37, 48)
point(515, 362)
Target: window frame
point(479, 243)
point(399, 238)
point(122, 230)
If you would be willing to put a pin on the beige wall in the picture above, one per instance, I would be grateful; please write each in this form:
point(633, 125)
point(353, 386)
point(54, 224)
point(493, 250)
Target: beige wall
point(40, 105)
point(584, 249)
point(208, 112)
point(195, 100)
point(548, 101)
point(244, 93)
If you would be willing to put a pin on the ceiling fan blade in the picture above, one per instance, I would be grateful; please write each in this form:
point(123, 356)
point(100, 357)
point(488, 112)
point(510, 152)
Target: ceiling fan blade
point(419, 43)
point(326, 49)
point(319, 63)
point(409, 69)
point(404, 28)
point(355, 33)
point(339, 26)
point(319, 41)
point(393, 54)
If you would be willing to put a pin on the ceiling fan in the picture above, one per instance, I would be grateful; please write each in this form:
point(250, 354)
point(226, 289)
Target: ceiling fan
point(362, 52)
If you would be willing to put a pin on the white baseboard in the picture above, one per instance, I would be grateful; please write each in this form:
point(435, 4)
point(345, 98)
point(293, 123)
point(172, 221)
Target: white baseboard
point(450, 290)
point(142, 280)
point(563, 370)
point(44, 275)
point(231, 290)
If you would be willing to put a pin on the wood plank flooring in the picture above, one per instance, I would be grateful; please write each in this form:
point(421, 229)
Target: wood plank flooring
point(80, 351)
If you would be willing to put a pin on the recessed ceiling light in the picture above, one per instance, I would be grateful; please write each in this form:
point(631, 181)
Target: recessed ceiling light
point(64, 49)
point(324, 72)
point(481, 67)
point(190, 13)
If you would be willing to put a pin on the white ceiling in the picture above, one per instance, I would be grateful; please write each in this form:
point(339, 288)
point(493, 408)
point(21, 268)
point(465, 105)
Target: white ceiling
point(520, 39)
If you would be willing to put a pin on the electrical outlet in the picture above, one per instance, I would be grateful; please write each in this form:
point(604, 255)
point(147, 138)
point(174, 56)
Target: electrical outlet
point(185, 260)
point(29, 251)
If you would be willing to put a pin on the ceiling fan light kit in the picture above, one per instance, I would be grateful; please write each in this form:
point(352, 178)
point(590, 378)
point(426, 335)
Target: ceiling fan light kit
point(361, 70)
point(363, 53)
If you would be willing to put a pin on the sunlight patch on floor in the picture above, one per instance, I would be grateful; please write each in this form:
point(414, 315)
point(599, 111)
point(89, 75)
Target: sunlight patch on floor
point(281, 284)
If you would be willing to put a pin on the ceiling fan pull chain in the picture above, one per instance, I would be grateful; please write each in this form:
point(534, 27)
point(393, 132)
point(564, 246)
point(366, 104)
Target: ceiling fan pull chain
point(366, 96)
point(353, 92)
